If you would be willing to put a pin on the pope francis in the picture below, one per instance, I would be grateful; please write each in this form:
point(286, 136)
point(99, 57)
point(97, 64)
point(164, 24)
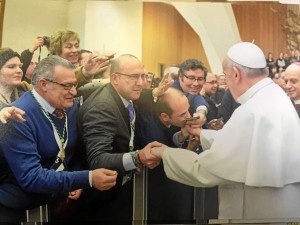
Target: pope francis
point(255, 158)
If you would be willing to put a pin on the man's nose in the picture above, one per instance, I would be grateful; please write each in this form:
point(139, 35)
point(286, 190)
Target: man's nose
point(140, 80)
point(288, 84)
point(73, 90)
point(188, 115)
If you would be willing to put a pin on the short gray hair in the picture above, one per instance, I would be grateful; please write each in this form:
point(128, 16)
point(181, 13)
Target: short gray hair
point(250, 72)
point(45, 68)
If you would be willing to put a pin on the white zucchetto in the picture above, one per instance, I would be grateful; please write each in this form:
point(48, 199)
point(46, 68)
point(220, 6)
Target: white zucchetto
point(247, 54)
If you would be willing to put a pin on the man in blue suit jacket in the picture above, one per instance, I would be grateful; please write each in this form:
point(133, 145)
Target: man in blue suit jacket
point(35, 155)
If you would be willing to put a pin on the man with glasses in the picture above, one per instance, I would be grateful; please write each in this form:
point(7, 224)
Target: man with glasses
point(209, 89)
point(106, 122)
point(254, 159)
point(191, 77)
point(37, 153)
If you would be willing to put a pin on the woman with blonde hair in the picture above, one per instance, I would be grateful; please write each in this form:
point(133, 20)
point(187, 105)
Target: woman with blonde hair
point(66, 44)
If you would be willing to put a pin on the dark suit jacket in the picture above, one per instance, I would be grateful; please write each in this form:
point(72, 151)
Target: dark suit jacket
point(104, 128)
point(103, 123)
point(167, 200)
point(297, 107)
point(227, 107)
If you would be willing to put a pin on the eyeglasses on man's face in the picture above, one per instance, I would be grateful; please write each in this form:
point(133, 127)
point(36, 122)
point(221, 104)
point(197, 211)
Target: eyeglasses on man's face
point(193, 79)
point(67, 86)
point(213, 82)
point(134, 77)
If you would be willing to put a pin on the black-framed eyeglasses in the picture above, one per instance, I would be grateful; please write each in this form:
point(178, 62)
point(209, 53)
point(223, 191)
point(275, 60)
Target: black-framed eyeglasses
point(212, 82)
point(193, 79)
point(65, 86)
point(134, 77)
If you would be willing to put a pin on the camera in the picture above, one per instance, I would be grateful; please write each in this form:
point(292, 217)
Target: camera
point(46, 41)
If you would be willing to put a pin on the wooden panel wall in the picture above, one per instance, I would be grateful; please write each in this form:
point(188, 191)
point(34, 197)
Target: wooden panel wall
point(261, 22)
point(167, 38)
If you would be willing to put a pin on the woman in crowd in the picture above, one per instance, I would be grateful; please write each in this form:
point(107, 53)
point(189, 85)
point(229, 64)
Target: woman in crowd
point(63, 43)
point(270, 61)
point(66, 44)
point(11, 84)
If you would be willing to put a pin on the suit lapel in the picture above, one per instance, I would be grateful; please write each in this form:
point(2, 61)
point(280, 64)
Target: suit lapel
point(120, 104)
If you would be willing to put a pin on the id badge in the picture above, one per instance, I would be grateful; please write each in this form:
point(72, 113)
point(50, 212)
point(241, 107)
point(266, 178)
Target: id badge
point(127, 177)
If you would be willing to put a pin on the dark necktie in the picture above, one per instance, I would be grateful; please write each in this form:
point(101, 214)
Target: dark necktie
point(59, 113)
point(130, 111)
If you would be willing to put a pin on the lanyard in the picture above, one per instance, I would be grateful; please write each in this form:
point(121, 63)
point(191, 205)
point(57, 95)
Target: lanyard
point(61, 138)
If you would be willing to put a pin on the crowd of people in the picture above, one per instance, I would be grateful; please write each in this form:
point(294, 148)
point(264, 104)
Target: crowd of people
point(58, 145)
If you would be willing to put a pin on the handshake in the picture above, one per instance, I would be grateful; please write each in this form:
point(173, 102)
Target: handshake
point(104, 179)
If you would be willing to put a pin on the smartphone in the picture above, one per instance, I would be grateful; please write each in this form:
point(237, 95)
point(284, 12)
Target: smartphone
point(192, 118)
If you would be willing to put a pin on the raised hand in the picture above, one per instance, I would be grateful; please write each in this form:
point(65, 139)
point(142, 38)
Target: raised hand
point(11, 113)
point(163, 85)
point(38, 42)
point(96, 64)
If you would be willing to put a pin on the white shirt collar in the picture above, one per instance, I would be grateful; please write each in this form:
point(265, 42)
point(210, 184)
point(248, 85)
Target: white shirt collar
point(49, 108)
point(251, 91)
point(297, 101)
point(125, 102)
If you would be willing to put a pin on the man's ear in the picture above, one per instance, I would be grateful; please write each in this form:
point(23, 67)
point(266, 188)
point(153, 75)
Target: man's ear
point(114, 78)
point(237, 74)
point(164, 117)
point(180, 77)
point(43, 85)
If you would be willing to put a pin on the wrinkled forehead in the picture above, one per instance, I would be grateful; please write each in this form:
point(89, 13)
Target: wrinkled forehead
point(64, 74)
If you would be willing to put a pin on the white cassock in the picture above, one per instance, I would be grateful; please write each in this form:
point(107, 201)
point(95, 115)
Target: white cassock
point(255, 158)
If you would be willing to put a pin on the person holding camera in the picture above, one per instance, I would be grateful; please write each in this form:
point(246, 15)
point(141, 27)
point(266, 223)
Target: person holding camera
point(27, 55)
